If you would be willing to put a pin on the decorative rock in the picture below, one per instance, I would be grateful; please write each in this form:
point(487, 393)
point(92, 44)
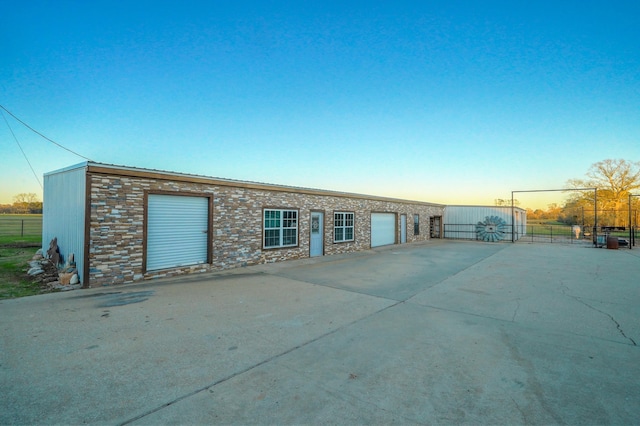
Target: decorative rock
point(35, 271)
point(54, 252)
point(65, 279)
point(74, 279)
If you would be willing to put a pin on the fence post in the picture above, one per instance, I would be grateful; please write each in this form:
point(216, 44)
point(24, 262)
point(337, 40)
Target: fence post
point(22, 228)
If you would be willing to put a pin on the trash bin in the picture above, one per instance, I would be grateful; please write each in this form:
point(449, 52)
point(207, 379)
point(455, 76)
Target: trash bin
point(612, 243)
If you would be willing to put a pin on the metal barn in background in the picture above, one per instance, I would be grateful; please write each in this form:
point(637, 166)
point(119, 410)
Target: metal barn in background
point(484, 223)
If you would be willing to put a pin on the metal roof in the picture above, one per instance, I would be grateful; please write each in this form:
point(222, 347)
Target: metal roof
point(103, 168)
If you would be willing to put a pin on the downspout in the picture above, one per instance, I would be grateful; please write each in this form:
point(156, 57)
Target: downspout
point(86, 266)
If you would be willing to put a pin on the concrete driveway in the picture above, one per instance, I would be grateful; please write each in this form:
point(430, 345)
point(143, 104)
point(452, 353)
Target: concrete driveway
point(437, 333)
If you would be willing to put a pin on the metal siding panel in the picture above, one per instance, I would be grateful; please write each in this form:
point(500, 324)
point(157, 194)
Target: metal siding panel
point(177, 229)
point(63, 214)
point(471, 215)
point(383, 229)
point(456, 218)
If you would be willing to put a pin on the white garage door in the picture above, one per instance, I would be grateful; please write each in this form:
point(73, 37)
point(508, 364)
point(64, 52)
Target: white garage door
point(383, 229)
point(177, 230)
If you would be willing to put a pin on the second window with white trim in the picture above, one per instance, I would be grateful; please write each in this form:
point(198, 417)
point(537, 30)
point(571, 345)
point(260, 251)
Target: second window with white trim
point(343, 226)
point(280, 228)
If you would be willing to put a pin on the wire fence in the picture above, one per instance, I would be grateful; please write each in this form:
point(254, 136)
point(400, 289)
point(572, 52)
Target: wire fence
point(468, 231)
point(557, 234)
point(20, 226)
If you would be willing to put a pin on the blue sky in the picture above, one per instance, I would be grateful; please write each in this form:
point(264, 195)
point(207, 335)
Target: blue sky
point(455, 102)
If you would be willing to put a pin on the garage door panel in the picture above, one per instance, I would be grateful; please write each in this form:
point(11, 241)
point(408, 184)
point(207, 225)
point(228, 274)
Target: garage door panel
point(177, 231)
point(383, 229)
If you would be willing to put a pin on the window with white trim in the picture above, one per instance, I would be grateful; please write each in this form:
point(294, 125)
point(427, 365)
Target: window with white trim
point(342, 226)
point(280, 228)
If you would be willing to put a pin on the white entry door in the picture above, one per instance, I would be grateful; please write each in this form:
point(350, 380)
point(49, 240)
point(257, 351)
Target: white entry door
point(403, 229)
point(317, 234)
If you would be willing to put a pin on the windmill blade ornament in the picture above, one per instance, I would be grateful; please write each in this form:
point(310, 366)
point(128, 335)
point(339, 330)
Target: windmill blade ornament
point(492, 229)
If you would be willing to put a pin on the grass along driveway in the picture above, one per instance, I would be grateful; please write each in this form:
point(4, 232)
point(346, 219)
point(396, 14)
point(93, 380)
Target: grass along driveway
point(14, 281)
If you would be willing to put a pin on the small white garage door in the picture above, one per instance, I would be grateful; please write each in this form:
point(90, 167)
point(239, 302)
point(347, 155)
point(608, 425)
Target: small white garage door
point(177, 230)
point(383, 229)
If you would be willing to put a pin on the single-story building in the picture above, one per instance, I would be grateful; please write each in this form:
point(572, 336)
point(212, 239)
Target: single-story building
point(485, 223)
point(125, 224)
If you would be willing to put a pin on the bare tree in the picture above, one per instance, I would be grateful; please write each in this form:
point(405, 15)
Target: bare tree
point(25, 198)
point(615, 180)
point(26, 203)
point(504, 202)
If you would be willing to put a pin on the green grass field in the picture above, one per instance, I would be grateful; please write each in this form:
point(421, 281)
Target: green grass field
point(20, 238)
point(552, 229)
point(558, 230)
point(16, 229)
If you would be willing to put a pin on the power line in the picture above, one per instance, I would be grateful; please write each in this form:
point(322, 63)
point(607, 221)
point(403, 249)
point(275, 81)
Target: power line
point(22, 150)
point(39, 134)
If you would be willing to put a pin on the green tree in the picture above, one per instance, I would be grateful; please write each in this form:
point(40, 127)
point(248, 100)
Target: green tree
point(554, 212)
point(615, 180)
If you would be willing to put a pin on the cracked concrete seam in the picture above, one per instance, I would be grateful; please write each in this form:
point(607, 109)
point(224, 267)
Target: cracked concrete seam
point(515, 311)
point(607, 314)
point(565, 289)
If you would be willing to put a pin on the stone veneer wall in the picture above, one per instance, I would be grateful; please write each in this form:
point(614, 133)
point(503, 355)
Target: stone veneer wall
point(116, 231)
